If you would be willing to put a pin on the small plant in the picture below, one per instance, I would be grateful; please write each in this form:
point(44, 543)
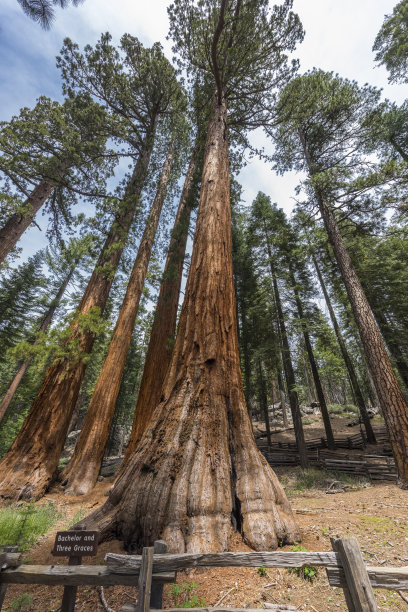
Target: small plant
point(307, 572)
point(307, 421)
point(22, 525)
point(78, 516)
point(184, 597)
point(22, 601)
point(262, 571)
point(325, 531)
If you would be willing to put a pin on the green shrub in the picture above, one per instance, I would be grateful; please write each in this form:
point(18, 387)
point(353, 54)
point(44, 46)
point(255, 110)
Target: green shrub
point(307, 572)
point(23, 524)
point(184, 597)
point(262, 571)
point(336, 408)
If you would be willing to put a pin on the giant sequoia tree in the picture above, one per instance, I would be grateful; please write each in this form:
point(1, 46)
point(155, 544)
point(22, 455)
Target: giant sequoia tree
point(198, 465)
point(138, 88)
point(323, 132)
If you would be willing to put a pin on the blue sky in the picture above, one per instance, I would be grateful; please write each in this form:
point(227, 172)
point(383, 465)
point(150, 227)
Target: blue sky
point(339, 37)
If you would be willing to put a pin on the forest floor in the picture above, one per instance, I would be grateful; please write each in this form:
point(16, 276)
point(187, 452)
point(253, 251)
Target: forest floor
point(376, 514)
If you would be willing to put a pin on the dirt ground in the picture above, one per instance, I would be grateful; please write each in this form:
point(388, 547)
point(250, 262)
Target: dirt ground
point(375, 514)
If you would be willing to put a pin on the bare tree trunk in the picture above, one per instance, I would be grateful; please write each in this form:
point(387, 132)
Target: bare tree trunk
point(392, 403)
point(198, 465)
point(43, 327)
point(358, 394)
point(30, 466)
point(165, 319)
point(15, 227)
point(315, 372)
point(82, 471)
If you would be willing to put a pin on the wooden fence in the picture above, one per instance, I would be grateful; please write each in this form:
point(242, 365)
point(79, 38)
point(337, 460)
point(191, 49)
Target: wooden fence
point(344, 565)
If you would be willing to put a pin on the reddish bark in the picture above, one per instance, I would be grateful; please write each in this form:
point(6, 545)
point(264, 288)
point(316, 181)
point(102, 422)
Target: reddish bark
point(30, 465)
point(197, 467)
point(164, 325)
point(82, 471)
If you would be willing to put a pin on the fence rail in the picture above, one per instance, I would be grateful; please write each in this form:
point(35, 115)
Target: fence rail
point(345, 568)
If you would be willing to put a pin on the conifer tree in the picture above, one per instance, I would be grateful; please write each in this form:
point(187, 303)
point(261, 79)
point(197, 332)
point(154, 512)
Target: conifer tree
point(137, 88)
point(53, 153)
point(204, 466)
point(323, 133)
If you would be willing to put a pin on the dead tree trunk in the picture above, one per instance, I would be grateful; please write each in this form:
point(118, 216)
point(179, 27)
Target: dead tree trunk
point(165, 319)
point(82, 471)
point(198, 465)
point(347, 359)
point(30, 465)
point(313, 366)
point(17, 224)
point(43, 327)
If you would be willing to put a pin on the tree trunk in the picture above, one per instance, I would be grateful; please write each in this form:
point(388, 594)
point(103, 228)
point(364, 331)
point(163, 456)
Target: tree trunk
point(264, 401)
point(43, 327)
point(392, 403)
point(358, 394)
point(197, 465)
point(290, 378)
point(315, 372)
point(15, 227)
point(30, 465)
point(283, 400)
point(165, 319)
point(81, 473)
point(392, 344)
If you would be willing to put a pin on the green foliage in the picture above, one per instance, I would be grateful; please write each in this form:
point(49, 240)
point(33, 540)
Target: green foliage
point(262, 571)
point(22, 601)
point(78, 516)
point(184, 596)
point(391, 43)
point(21, 525)
point(307, 572)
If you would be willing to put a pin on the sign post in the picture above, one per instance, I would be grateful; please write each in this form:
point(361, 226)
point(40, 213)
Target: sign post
point(74, 544)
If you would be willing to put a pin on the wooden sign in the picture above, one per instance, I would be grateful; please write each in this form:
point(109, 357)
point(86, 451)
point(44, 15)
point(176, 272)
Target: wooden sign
point(76, 544)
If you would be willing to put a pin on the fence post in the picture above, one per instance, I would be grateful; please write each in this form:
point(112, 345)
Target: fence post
point(3, 587)
point(70, 592)
point(156, 597)
point(358, 593)
point(145, 580)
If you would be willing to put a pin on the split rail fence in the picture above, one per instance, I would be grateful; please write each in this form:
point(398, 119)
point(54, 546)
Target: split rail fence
point(345, 568)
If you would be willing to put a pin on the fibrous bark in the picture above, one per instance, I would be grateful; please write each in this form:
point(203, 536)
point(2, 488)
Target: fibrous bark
point(197, 467)
point(165, 318)
point(82, 471)
point(30, 465)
